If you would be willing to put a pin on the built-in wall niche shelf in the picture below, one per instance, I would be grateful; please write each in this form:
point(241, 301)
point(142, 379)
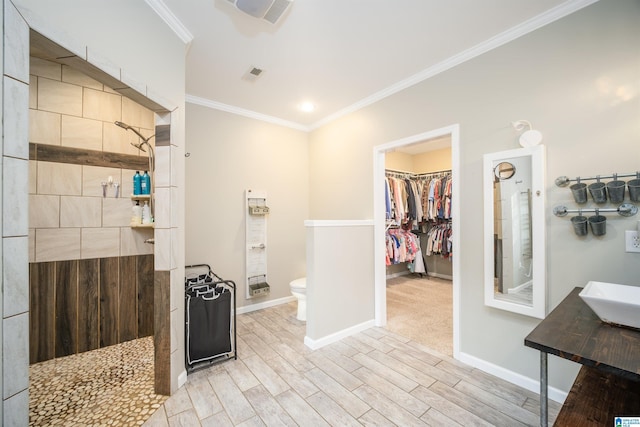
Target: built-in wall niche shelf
point(142, 198)
point(151, 225)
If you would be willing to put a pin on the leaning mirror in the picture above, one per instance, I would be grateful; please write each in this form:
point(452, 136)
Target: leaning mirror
point(514, 226)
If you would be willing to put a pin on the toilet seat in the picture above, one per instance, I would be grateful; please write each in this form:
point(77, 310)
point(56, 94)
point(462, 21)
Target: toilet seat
point(299, 290)
point(299, 285)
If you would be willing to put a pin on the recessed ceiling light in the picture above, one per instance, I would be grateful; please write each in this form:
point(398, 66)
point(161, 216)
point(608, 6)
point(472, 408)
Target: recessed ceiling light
point(307, 107)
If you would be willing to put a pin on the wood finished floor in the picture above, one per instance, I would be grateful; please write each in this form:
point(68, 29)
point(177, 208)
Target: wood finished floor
point(374, 378)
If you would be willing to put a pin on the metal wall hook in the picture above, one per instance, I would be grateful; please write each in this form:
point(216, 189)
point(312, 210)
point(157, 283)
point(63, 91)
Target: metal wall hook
point(625, 209)
point(563, 181)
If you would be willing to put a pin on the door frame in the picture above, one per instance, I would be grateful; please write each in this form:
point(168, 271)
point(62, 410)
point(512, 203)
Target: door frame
point(379, 222)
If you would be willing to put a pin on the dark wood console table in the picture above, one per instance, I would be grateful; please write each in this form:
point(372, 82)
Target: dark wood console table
point(609, 382)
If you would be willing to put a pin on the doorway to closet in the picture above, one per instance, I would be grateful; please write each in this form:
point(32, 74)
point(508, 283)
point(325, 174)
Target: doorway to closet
point(446, 137)
point(418, 237)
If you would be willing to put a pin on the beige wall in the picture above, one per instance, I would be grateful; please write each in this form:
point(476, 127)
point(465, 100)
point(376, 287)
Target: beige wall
point(68, 216)
point(228, 155)
point(398, 161)
point(568, 79)
point(429, 161)
point(432, 161)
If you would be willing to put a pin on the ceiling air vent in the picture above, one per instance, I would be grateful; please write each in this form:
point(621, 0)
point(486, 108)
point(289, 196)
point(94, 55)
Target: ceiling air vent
point(269, 10)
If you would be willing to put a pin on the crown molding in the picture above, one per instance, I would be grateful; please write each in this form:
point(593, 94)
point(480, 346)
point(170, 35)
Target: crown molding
point(171, 20)
point(507, 36)
point(246, 113)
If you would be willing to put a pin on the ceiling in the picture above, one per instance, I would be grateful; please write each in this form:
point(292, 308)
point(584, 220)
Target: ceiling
point(339, 55)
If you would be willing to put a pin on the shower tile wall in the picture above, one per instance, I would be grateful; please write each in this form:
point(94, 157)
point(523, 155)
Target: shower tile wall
point(14, 299)
point(68, 216)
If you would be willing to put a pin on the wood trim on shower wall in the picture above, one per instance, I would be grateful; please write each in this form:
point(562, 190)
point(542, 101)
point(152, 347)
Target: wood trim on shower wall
point(82, 305)
point(84, 157)
point(162, 328)
point(163, 135)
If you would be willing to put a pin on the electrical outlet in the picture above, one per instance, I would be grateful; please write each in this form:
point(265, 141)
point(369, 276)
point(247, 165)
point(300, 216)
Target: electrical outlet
point(631, 241)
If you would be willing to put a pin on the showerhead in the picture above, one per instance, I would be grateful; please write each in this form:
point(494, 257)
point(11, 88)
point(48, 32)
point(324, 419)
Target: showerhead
point(123, 125)
point(144, 140)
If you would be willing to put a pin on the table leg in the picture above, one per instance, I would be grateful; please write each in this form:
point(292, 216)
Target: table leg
point(544, 403)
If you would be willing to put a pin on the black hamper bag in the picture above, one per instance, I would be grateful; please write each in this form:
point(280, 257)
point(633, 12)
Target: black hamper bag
point(209, 324)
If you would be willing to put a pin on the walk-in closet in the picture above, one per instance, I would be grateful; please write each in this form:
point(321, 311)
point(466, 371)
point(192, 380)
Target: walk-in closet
point(418, 240)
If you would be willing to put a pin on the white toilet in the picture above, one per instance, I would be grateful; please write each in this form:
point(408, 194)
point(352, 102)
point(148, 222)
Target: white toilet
point(299, 290)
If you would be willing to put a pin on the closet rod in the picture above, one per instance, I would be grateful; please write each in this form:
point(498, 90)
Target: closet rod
point(446, 171)
point(625, 209)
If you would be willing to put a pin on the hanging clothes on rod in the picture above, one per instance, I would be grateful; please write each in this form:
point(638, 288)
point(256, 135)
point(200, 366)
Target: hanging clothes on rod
point(404, 246)
point(418, 197)
point(440, 240)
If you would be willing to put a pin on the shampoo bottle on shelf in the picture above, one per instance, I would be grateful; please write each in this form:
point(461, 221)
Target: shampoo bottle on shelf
point(145, 183)
point(137, 184)
point(136, 218)
point(146, 214)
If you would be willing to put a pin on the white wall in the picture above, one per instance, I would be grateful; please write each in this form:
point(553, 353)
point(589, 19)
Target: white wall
point(340, 274)
point(570, 80)
point(228, 155)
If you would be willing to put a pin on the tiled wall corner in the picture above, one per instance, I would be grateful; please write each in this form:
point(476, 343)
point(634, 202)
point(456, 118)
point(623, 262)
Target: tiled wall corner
point(16, 111)
point(163, 166)
point(15, 274)
point(162, 249)
point(16, 410)
point(15, 354)
point(163, 207)
point(16, 44)
point(15, 206)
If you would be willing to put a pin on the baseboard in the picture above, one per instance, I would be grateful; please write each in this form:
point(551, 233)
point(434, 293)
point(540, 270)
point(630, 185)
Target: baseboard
point(406, 273)
point(182, 378)
point(266, 304)
point(513, 377)
point(440, 276)
point(398, 274)
point(337, 336)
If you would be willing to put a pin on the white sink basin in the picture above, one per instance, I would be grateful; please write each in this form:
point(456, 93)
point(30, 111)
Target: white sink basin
point(617, 304)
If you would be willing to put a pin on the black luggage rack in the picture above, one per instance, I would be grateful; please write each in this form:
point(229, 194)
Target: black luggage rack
point(210, 318)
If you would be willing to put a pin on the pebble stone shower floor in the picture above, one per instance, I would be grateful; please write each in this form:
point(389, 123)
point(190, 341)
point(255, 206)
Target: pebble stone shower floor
point(104, 387)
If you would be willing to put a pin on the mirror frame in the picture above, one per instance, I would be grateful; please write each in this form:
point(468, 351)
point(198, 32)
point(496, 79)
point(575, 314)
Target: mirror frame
point(539, 301)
